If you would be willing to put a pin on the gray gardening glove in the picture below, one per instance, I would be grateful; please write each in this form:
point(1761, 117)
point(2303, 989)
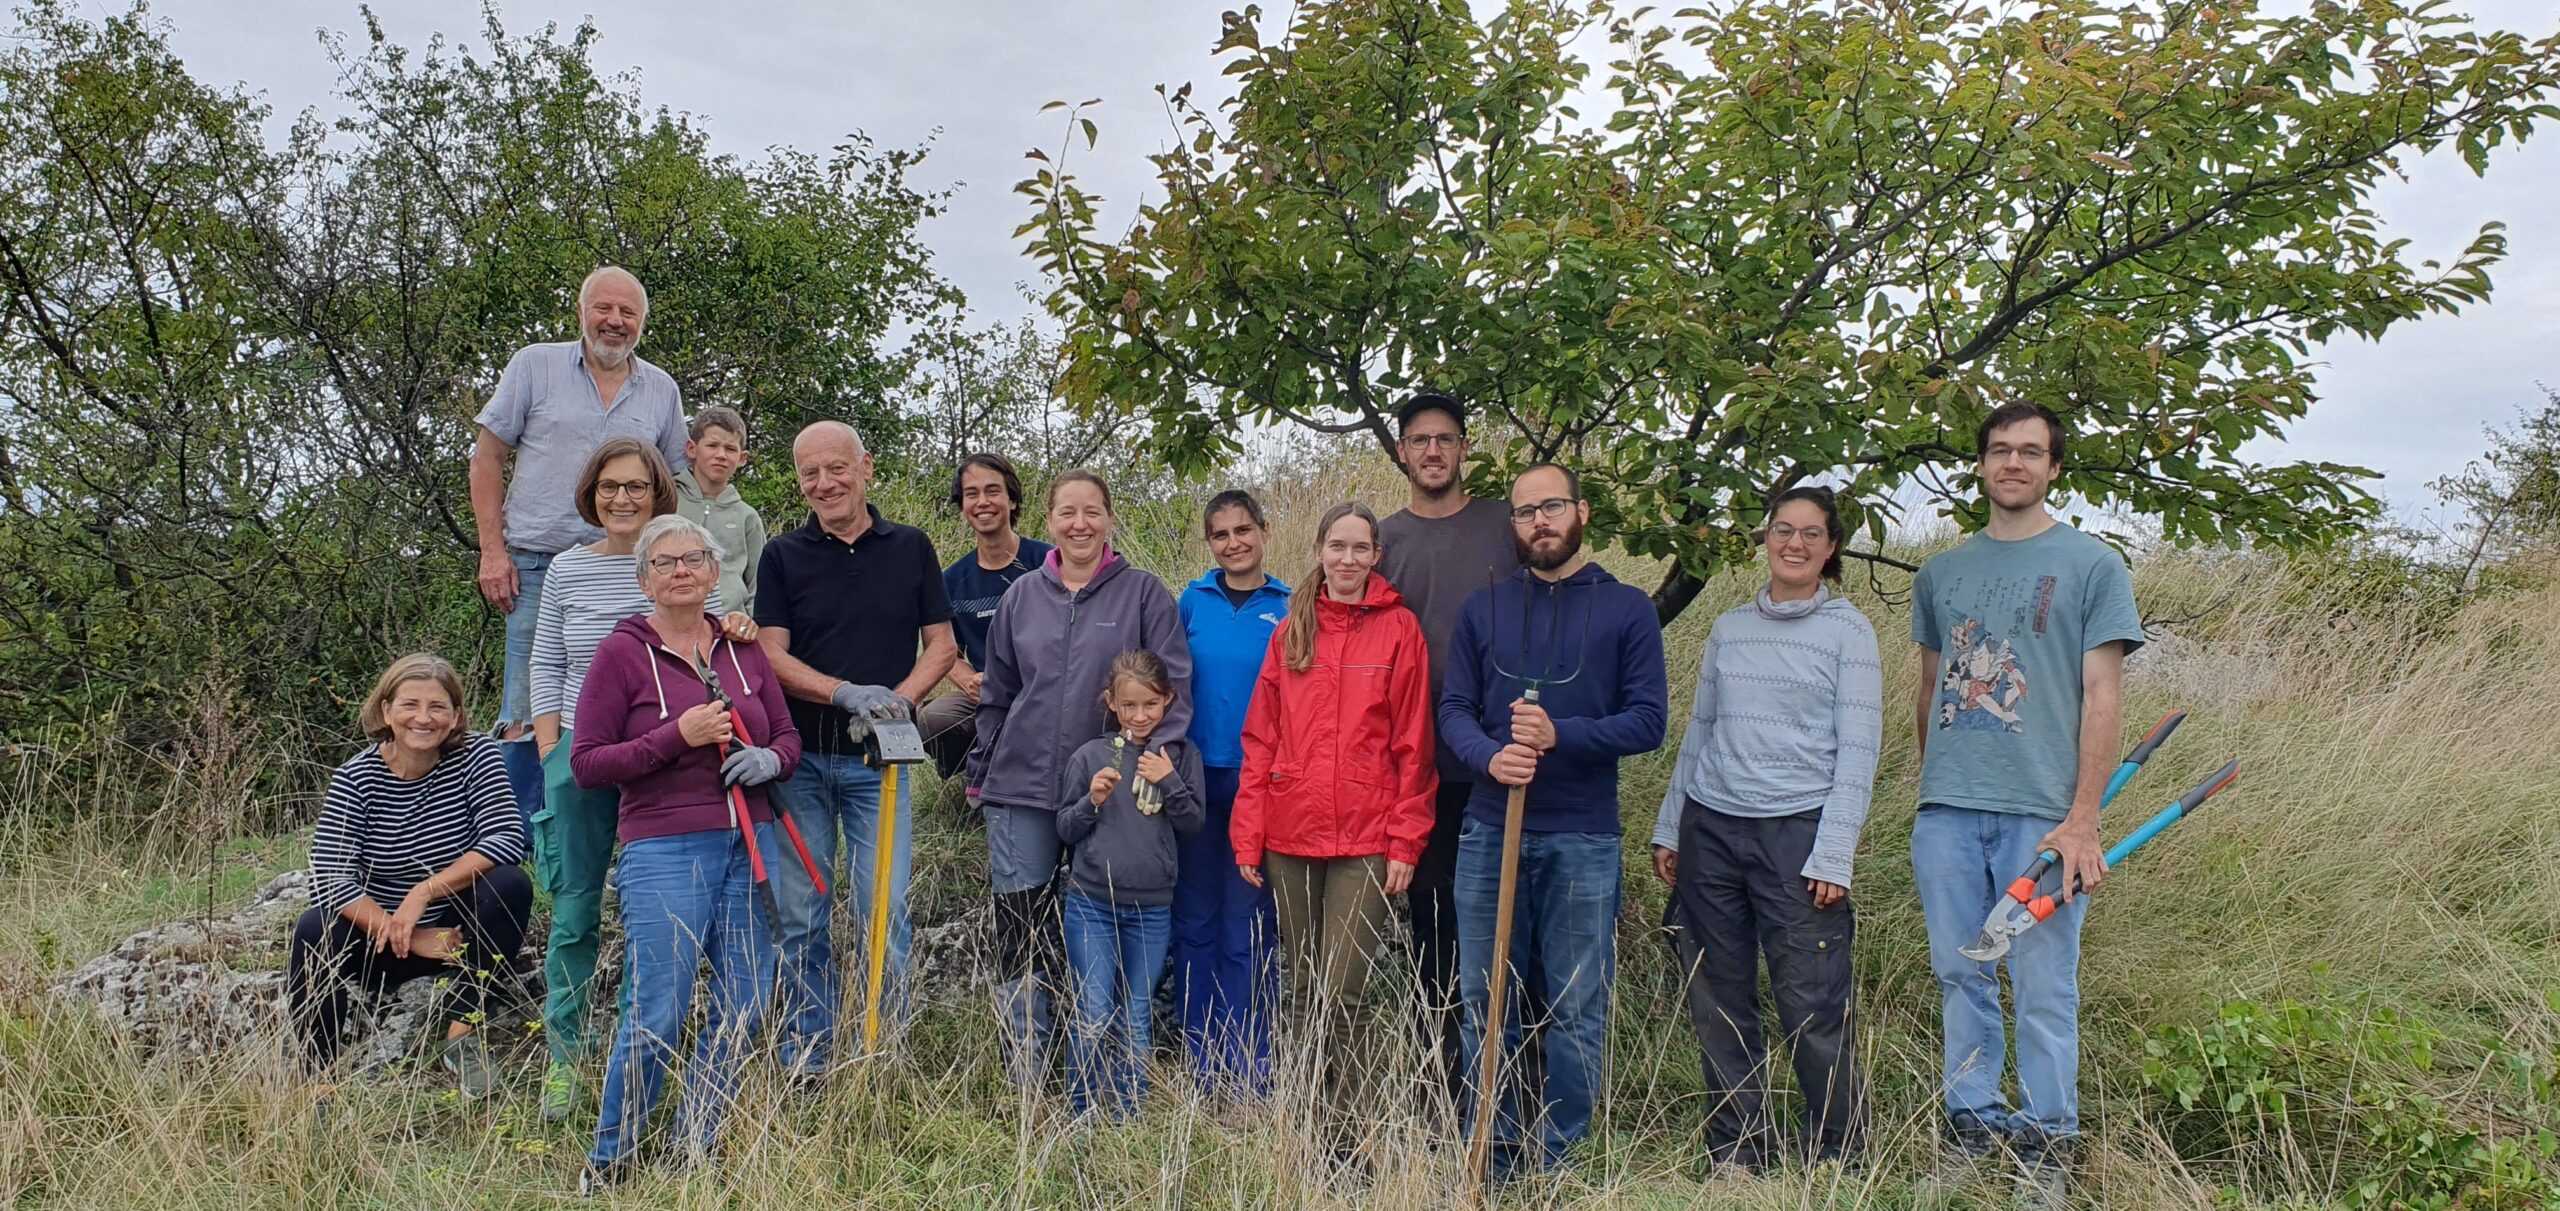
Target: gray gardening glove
point(748, 765)
point(872, 702)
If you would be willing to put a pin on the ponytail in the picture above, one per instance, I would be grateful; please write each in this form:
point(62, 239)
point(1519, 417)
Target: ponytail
point(1298, 635)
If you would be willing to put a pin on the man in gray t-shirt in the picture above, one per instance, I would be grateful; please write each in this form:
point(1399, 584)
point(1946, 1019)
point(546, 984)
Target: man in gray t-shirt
point(554, 405)
point(1441, 547)
point(2022, 631)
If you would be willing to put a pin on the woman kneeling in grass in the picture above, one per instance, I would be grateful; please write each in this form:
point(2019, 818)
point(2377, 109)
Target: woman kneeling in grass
point(420, 820)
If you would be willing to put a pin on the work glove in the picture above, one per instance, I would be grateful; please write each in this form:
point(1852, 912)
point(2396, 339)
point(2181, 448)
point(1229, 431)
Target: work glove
point(748, 765)
point(871, 702)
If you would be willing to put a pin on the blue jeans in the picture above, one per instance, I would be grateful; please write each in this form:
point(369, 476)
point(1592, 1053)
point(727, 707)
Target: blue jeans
point(515, 695)
point(1114, 954)
point(1961, 860)
point(1565, 919)
point(831, 791)
point(1224, 965)
point(684, 899)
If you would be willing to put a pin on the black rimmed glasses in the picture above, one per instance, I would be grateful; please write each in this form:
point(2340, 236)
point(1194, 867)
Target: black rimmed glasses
point(1551, 508)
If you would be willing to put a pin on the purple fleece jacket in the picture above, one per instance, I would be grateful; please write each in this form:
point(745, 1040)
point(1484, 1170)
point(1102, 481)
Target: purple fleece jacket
point(627, 735)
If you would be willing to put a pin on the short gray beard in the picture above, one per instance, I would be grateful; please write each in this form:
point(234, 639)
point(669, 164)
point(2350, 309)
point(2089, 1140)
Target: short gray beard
point(610, 359)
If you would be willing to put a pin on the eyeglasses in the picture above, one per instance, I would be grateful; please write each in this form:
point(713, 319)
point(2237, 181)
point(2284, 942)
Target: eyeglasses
point(609, 488)
point(1782, 533)
point(1551, 508)
point(1432, 441)
point(691, 561)
point(2001, 452)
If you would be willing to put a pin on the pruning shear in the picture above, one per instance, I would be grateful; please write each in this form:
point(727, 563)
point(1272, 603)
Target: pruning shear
point(2015, 913)
point(2025, 905)
point(745, 820)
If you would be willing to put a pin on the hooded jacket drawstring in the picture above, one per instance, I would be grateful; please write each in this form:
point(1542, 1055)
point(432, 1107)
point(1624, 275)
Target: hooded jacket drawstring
point(717, 640)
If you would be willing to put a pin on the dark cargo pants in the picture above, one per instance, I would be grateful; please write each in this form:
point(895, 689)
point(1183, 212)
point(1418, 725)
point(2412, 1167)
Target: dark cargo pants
point(1740, 895)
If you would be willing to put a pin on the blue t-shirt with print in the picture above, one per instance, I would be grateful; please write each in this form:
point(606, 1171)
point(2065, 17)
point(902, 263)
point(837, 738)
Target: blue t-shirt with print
point(2010, 622)
point(974, 592)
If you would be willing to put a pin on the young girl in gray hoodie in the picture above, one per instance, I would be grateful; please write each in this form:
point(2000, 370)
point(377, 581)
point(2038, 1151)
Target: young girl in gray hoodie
point(1123, 799)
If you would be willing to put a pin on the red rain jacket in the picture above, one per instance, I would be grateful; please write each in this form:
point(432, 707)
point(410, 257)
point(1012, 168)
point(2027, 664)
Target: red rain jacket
point(1338, 759)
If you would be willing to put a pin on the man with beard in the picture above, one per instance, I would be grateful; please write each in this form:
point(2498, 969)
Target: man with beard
point(1442, 546)
point(1593, 648)
point(554, 405)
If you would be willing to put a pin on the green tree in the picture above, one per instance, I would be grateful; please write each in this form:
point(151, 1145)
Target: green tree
point(1810, 241)
point(2510, 495)
point(239, 377)
point(136, 499)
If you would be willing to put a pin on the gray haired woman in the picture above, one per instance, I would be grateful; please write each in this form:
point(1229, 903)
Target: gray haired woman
point(588, 590)
point(677, 714)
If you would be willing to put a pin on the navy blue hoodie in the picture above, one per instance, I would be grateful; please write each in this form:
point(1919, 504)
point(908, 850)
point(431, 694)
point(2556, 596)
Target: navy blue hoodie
point(1615, 705)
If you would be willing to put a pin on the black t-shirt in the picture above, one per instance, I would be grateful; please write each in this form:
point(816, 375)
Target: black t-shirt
point(974, 592)
point(854, 610)
point(1236, 597)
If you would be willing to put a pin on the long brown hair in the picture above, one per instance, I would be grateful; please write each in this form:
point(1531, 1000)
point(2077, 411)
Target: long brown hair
point(1298, 635)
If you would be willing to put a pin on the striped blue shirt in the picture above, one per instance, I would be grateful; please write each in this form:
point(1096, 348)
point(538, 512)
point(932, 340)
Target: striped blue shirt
point(381, 835)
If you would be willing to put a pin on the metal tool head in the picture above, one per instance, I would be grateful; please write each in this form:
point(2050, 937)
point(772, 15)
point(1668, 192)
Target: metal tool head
point(1540, 667)
point(2008, 919)
point(710, 676)
point(888, 742)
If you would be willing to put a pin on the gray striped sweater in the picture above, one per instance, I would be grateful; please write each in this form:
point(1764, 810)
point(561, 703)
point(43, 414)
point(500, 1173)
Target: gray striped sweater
point(1787, 719)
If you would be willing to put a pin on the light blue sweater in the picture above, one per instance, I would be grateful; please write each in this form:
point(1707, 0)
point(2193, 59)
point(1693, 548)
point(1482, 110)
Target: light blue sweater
point(1788, 718)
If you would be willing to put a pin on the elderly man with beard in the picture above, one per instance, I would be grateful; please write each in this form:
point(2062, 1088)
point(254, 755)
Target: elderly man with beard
point(1594, 648)
point(554, 405)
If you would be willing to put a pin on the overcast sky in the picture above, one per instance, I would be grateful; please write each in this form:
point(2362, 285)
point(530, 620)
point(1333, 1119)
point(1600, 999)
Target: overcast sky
point(805, 72)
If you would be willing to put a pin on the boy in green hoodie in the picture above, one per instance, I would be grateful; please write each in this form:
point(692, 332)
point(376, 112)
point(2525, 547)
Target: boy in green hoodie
point(715, 447)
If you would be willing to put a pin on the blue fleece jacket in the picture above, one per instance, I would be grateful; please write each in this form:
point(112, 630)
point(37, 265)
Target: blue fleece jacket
point(1227, 642)
point(1614, 705)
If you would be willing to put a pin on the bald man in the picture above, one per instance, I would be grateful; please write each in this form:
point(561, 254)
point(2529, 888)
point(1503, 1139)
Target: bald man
point(857, 626)
point(555, 404)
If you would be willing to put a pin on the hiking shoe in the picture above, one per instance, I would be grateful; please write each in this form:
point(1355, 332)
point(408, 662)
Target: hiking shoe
point(594, 1182)
point(2044, 1170)
point(2045, 1186)
point(559, 1092)
point(1965, 1154)
point(467, 1058)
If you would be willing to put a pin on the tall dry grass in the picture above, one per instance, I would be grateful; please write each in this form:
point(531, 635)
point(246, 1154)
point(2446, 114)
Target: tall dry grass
point(2394, 845)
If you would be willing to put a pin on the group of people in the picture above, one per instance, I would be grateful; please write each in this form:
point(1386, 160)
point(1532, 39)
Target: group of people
point(1231, 783)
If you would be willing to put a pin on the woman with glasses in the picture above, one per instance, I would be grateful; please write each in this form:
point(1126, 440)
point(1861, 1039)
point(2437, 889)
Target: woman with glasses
point(586, 592)
point(675, 715)
point(1758, 831)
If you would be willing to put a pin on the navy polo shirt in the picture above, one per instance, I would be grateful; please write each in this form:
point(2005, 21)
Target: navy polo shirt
point(854, 609)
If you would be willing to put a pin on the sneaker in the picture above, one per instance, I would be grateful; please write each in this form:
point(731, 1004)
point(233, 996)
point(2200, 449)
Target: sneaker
point(2044, 1170)
point(2045, 1186)
point(559, 1092)
point(1962, 1159)
point(594, 1182)
point(467, 1058)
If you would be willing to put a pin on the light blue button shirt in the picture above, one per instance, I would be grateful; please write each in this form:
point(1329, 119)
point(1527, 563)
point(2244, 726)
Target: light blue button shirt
point(545, 407)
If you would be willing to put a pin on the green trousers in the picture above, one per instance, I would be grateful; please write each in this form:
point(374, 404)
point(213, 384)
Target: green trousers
point(573, 839)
